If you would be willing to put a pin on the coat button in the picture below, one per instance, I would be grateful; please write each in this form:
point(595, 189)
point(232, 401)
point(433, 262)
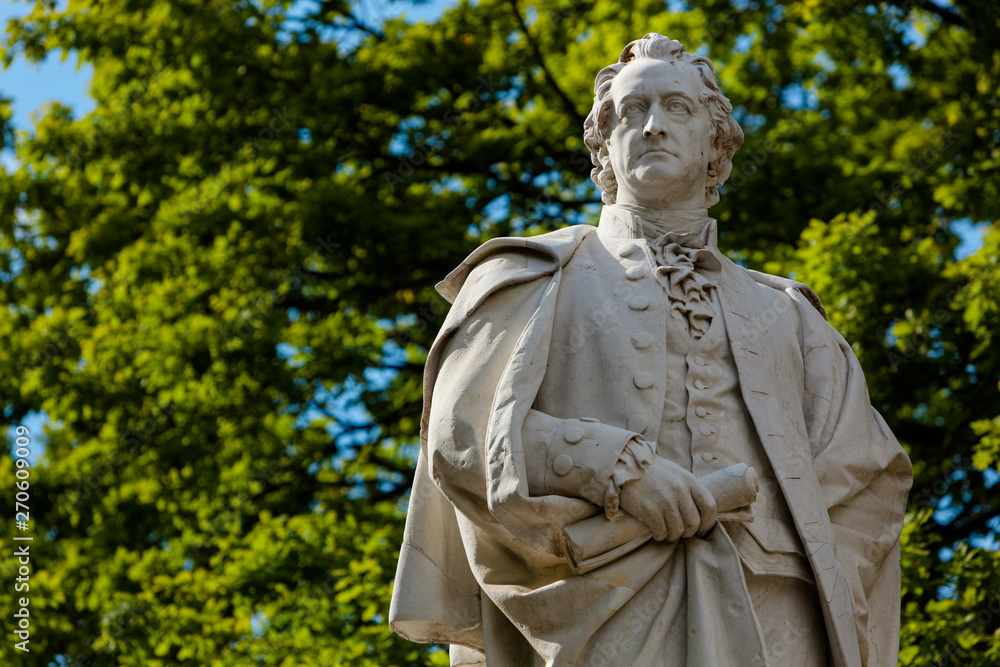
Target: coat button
point(562, 465)
point(638, 303)
point(635, 272)
point(706, 429)
point(700, 360)
point(701, 411)
point(643, 380)
point(573, 435)
point(627, 249)
point(707, 457)
point(637, 424)
point(642, 340)
point(698, 384)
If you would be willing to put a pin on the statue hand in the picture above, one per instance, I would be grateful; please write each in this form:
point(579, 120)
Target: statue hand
point(670, 501)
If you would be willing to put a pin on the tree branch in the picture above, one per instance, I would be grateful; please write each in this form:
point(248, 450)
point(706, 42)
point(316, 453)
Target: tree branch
point(343, 9)
point(945, 14)
point(356, 23)
point(568, 103)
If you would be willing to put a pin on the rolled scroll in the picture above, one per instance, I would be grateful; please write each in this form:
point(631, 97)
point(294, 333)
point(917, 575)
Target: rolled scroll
point(596, 541)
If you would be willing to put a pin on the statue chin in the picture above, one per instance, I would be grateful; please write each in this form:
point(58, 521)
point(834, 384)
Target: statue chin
point(657, 186)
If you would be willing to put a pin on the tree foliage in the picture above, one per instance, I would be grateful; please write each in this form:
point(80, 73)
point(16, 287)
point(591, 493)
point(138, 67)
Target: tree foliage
point(219, 285)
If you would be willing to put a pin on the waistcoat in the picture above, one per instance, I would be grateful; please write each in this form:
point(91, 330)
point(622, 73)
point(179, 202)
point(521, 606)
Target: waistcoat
point(705, 427)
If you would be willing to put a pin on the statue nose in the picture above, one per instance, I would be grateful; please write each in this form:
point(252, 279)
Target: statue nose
point(653, 125)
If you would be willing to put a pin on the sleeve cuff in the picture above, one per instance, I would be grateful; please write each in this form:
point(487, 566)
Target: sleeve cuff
point(635, 458)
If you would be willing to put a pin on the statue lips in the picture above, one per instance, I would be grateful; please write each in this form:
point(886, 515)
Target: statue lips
point(658, 150)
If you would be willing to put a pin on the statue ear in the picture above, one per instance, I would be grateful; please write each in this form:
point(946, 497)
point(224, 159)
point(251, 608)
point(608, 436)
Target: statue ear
point(716, 164)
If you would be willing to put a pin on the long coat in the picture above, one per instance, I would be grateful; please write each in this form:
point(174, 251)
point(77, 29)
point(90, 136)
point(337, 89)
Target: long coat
point(539, 341)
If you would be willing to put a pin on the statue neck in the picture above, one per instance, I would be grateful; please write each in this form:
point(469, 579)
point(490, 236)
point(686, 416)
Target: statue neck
point(655, 223)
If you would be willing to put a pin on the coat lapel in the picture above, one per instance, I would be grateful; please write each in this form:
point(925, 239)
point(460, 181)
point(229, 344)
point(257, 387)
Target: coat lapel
point(769, 363)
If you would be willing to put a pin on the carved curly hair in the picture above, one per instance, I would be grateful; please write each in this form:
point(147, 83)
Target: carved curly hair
point(726, 135)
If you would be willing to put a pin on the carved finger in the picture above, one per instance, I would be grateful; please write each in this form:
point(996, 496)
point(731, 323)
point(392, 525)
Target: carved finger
point(706, 507)
point(654, 520)
point(690, 516)
point(675, 525)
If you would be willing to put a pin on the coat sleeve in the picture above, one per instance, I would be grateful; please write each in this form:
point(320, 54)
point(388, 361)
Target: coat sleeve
point(512, 470)
point(865, 476)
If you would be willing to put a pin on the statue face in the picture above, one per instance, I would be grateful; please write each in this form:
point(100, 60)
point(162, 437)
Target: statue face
point(660, 141)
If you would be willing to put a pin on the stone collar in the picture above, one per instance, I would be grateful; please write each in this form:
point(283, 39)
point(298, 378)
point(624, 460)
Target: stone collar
point(629, 223)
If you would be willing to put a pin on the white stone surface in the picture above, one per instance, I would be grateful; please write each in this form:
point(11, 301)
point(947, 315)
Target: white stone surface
point(592, 376)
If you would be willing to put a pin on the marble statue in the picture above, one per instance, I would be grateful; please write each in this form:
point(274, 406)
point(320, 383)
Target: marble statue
point(636, 452)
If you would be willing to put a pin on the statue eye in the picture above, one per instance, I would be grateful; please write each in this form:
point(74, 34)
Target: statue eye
point(677, 106)
point(632, 110)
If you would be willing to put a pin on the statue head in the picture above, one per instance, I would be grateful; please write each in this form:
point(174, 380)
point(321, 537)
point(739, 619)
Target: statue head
point(660, 132)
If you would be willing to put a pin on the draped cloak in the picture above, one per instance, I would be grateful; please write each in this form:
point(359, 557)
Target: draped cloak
point(481, 564)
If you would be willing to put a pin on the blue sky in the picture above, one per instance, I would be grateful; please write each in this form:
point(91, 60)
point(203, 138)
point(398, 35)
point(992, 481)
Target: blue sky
point(31, 86)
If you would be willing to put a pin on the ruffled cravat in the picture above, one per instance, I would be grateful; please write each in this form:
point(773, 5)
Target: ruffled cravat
point(683, 243)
